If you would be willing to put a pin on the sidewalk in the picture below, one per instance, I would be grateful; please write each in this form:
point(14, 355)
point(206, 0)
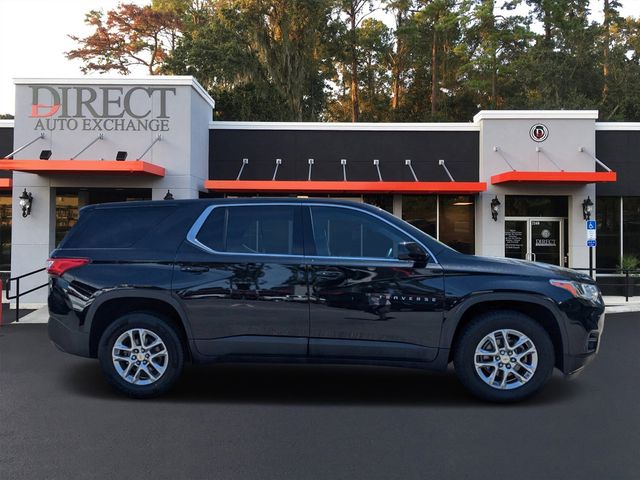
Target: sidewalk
point(619, 304)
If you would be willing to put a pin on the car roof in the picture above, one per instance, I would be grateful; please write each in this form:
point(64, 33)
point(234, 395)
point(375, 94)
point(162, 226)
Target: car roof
point(227, 201)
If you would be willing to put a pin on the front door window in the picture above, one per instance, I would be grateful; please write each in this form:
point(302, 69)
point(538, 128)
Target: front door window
point(536, 239)
point(545, 241)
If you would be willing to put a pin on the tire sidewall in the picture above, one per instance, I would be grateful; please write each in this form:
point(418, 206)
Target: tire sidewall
point(159, 326)
point(490, 322)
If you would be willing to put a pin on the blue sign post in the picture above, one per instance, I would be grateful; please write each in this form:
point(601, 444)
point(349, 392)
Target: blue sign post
point(591, 242)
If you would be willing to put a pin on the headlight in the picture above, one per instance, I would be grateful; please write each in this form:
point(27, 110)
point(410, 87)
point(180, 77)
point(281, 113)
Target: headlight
point(588, 291)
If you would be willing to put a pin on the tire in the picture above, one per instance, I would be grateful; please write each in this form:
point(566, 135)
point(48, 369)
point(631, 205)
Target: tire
point(513, 380)
point(164, 360)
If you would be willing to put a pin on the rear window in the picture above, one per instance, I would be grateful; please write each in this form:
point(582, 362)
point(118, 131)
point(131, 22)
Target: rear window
point(115, 227)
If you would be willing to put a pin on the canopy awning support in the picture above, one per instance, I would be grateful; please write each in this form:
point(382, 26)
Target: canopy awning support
point(540, 150)
point(99, 137)
point(407, 162)
point(343, 162)
point(583, 150)
point(275, 172)
point(498, 150)
point(376, 162)
point(19, 149)
point(441, 163)
point(157, 139)
point(310, 167)
point(244, 162)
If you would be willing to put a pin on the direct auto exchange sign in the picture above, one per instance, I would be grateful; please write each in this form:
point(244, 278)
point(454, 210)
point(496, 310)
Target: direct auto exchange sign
point(100, 109)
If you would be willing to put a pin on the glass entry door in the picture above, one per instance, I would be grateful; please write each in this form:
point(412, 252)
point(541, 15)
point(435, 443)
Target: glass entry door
point(536, 239)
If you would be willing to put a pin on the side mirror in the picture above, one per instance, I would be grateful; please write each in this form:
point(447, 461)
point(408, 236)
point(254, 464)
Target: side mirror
point(411, 251)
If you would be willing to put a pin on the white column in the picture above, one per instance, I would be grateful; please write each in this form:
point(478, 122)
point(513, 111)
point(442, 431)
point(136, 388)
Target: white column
point(32, 237)
point(489, 232)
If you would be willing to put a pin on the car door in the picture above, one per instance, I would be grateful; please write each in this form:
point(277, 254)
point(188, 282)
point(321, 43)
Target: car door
point(241, 278)
point(365, 301)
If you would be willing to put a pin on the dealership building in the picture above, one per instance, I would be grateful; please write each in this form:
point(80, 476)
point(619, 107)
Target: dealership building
point(518, 184)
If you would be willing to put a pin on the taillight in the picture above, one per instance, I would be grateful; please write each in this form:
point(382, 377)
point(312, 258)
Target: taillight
point(57, 266)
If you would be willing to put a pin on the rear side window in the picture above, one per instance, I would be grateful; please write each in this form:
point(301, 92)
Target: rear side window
point(115, 227)
point(343, 232)
point(253, 229)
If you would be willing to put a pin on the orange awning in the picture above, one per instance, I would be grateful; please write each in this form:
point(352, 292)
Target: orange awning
point(314, 186)
point(79, 167)
point(553, 177)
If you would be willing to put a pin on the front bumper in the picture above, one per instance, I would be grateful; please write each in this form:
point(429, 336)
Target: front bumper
point(68, 338)
point(583, 345)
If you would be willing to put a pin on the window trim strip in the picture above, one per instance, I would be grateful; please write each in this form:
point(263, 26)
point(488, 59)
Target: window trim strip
point(197, 225)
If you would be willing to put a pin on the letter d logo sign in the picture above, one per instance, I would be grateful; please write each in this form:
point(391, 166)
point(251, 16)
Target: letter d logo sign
point(37, 107)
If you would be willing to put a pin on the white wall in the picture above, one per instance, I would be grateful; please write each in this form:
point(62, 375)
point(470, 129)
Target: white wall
point(182, 151)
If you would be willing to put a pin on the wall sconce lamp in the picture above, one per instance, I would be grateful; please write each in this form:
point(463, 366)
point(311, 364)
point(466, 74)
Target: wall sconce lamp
point(45, 154)
point(168, 196)
point(121, 156)
point(495, 208)
point(26, 199)
point(587, 208)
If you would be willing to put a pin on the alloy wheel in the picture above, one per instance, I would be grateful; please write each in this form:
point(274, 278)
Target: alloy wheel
point(140, 356)
point(506, 359)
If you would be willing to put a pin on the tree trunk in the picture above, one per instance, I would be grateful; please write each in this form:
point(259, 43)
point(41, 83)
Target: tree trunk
point(607, 41)
point(355, 104)
point(434, 72)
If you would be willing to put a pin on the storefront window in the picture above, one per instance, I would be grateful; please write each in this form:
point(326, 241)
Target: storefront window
point(631, 226)
point(455, 218)
point(608, 217)
point(385, 202)
point(457, 222)
point(5, 232)
point(421, 211)
point(66, 215)
point(535, 206)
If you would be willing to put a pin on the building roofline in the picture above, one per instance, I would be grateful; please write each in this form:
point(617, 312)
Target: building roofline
point(600, 126)
point(535, 115)
point(620, 126)
point(425, 126)
point(168, 80)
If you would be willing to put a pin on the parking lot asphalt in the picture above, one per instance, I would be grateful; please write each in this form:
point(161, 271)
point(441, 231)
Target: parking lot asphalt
point(60, 420)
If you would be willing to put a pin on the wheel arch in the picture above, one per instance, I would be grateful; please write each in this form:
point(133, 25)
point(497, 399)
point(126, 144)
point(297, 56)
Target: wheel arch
point(538, 308)
point(114, 304)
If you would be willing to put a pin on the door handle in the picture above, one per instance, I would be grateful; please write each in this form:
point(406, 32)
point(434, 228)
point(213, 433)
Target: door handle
point(194, 268)
point(329, 274)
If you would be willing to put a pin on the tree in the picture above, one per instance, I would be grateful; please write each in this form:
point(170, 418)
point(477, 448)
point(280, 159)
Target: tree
point(402, 11)
point(130, 35)
point(352, 12)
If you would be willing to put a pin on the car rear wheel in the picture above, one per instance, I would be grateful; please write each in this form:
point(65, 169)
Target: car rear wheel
point(141, 354)
point(504, 356)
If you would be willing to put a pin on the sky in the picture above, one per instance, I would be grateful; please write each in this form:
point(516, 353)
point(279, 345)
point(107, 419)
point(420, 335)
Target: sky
point(34, 37)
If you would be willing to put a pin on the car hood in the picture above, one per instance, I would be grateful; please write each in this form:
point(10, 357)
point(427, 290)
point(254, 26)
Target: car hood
point(511, 266)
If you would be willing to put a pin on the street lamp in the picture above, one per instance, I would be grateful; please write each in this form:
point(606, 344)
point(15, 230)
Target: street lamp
point(495, 208)
point(587, 208)
point(26, 199)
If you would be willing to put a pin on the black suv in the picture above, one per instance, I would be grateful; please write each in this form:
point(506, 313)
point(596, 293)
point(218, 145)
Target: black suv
point(146, 286)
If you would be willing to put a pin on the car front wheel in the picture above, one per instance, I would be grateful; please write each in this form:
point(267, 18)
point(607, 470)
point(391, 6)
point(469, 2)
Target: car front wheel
point(141, 354)
point(504, 356)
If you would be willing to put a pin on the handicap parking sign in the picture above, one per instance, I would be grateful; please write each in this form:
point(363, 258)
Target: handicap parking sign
point(591, 233)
